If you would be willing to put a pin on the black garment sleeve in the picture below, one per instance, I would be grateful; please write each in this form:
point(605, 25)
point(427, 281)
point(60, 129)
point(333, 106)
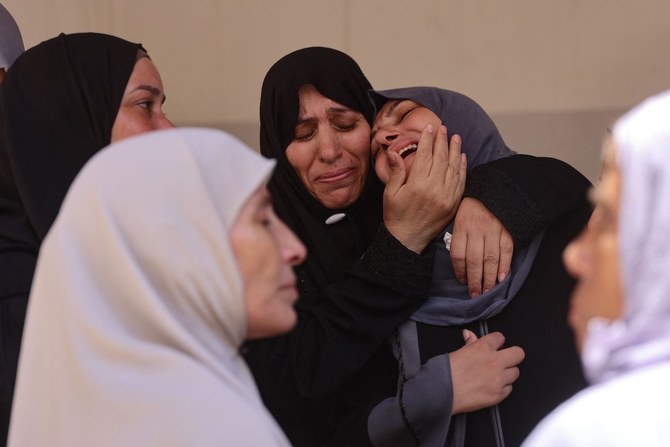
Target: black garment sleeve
point(337, 335)
point(526, 193)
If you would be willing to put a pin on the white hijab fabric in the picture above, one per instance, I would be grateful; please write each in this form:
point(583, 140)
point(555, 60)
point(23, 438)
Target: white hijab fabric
point(642, 336)
point(11, 44)
point(137, 310)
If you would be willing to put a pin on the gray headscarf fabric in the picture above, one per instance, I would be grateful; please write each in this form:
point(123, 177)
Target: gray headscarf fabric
point(641, 336)
point(11, 43)
point(449, 303)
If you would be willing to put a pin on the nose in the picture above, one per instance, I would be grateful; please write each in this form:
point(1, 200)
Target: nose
point(164, 122)
point(577, 256)
point(384, 138)
point(293, 250)
point(328, 146)
point(571, 258)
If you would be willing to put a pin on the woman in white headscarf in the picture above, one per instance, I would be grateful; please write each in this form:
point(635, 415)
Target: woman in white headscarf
point(621, 306)
point(11, 43)
point(165, 256)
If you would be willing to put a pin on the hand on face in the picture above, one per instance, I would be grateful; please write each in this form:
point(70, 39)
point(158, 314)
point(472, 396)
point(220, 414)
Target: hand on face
point(266, 250)
point(421, 201)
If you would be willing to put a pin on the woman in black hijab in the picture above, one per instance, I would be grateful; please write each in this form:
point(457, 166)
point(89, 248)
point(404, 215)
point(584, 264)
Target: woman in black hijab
point(348, 303)
point(61, 102)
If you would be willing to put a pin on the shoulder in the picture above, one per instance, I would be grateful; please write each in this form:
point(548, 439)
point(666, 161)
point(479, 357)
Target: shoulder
point(630, 410)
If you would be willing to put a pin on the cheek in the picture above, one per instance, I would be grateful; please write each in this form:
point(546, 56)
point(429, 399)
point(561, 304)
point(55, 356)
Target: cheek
point(358, 145)
point(300, 157)
point(128, 124)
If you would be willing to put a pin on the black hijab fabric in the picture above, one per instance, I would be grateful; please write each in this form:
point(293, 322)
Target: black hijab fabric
point(336, 76)
point(58, 103)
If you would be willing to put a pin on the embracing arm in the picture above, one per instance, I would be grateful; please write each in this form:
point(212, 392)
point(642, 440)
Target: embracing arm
point(507, 202)
point(526, 193)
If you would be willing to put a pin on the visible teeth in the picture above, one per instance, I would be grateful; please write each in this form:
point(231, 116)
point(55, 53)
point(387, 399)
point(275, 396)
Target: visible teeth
point(407, 149)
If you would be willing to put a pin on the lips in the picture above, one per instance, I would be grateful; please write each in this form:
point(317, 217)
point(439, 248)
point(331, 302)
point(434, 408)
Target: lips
point(404, 146)
point(335, 176)
point(407, 150)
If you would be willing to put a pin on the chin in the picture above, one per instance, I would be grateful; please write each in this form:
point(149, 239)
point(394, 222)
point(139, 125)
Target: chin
point(272, 326)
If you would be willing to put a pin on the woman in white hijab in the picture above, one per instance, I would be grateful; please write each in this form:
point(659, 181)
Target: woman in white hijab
point(165, 256)
point(621, 306)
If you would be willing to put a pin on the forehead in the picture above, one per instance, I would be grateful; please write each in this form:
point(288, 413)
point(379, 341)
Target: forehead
point(389, 110)
point(143, 72)
point(312, 101)
point(606, 192)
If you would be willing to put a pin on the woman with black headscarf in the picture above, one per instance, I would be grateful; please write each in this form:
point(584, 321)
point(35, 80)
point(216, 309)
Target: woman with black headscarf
point(363, 277)
point(529, 306)
point(62, 101)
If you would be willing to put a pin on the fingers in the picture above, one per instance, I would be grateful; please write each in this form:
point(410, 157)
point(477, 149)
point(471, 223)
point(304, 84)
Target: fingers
point(506, 251)
point(459, 242)
point(397, 173)
point(474, 254)
point(510, 375)
point(512, 356)
point(423, 160)
point(505, 392)
point(462, 174)
point(469, 337)
point(494, 340)
point(455, 173)
point(491, 261)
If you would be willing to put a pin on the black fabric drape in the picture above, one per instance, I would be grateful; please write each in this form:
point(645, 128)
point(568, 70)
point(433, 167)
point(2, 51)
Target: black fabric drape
point(58, 103)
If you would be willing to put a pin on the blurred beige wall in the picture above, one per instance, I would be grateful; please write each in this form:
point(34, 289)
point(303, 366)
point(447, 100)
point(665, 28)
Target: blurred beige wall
point(553, 74)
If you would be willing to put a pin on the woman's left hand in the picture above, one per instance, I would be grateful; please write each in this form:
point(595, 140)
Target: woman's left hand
point(481, 247)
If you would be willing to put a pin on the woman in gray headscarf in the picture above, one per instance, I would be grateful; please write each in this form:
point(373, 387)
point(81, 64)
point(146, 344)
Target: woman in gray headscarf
point(543, 212)
point(11, 44)
point(621, 307)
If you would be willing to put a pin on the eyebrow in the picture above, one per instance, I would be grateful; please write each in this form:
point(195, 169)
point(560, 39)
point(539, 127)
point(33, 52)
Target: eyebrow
point(395, 105)
point(153, 90)
point(388, 113)
point(329, 111)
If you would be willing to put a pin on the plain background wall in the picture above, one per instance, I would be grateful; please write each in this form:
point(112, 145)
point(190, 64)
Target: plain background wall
point(552, 74)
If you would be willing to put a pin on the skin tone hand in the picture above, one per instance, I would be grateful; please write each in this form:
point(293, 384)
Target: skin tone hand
point(482, 374)
point(418, 205)
point(481, 247)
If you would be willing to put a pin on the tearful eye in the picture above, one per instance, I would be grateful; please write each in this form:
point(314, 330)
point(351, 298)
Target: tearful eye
point(346, 127)
point(304, 132)
point(303, 137)
point(407, 112)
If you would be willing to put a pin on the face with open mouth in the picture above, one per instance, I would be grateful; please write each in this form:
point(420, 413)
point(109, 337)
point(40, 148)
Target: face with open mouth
point(397, 127)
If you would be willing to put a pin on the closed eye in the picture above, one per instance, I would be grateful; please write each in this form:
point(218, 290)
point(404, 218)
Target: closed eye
point(407, 112)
